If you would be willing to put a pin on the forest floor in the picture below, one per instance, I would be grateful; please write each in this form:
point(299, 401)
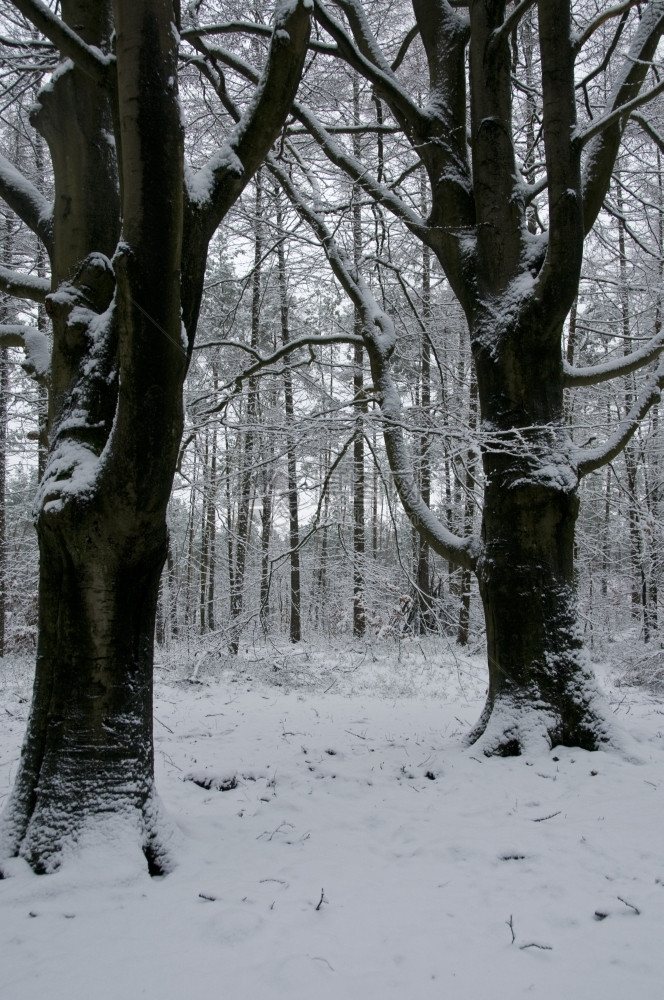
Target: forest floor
point(357, 851)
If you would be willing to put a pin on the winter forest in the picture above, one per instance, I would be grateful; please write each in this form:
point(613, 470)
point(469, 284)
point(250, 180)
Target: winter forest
point(331, 497)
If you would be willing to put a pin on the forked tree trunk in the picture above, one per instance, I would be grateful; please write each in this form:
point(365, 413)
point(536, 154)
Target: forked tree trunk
point(118, 367)
point(87, 761)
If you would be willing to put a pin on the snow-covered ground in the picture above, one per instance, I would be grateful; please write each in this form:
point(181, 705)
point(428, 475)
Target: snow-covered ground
point(361, 853)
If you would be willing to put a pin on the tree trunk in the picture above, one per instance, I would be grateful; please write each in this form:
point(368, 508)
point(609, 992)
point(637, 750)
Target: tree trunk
point(295, 599)
point(101, 524)
point(541, 689)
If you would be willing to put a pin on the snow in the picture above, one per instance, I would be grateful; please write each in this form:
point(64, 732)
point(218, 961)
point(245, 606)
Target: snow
point(361, 852)
point(200, 184)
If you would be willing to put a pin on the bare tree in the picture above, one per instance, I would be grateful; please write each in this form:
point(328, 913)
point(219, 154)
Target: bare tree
point(127, 236)
point(508, 228)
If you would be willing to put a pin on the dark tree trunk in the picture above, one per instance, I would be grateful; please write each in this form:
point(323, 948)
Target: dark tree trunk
point(101, 522)
point(541, 689)
point(118, 366)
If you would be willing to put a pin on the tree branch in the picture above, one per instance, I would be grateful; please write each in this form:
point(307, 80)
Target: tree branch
point(602, 149)
point(651, 132)
point(219, 184)
point(366, 57)
point(36, 345)
point(511, 21)
point(29, 204)
point(337, 154)
point(595, 374)
point(589, 460)
point(379, 337)
point(93, 62)
point(601, 19)
point(600, 124)
point(249, 28)
point(559, 277)
point(24, 286)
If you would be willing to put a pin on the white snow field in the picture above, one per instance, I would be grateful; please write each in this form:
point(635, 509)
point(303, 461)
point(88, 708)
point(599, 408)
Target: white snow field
point(360, 852)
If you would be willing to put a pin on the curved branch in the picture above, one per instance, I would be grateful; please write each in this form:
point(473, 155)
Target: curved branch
point(379, 336)
point(511, 21)
point(600, 124)
point(403, 48)
point(574, 378)
point(91, 60)
point(337, 154)
point(589, 460)
point(215, 188)
point(36, 345)
point(249, 28)
point(24, 286)
point(29, 204)
point(603, 147)
point(366, 57)
point(617, 11)
point(211, 192)
point(651, 132)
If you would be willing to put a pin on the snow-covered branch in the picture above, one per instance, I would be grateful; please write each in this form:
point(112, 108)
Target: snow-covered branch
point(263, 362)
point(607, 15)
point(591, 459)
point(511, 21)
point(23, 286)
point(594, 374)
point(606, 120)
point(336, 153)
point(29, 204)
point(215, 187)
point(366, 57)
point(602, 146)
point(93, 62)
point(379, 337)
point(34, 342)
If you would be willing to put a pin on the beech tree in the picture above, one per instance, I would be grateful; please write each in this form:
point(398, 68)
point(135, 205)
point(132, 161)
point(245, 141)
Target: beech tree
point(126, 235)
point(510, 209)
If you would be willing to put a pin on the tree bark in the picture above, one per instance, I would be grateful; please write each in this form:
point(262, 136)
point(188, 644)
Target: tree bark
point(122, 280)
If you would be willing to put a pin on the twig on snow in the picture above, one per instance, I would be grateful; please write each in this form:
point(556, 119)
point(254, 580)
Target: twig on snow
point(541, 819)
point(631, 905)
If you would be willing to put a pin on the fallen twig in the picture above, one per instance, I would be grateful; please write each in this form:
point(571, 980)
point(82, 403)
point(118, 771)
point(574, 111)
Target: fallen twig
point(631, 905)
point(510, 924)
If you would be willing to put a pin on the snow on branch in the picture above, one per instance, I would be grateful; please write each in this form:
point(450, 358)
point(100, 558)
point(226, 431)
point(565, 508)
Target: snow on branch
point(35, 343)
point(379, 338)
point(87, 57)
point(262, 363)
point(357, 171)
point(248, 28)
point(591, 459)
point(602, 138)
point(366, 57)
point(594, 374)
point(623, 111)
point(29, 204)
point(23, 286)
point(336, 153)
point(651, 132)
point(215, 188)
point(607, 15)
